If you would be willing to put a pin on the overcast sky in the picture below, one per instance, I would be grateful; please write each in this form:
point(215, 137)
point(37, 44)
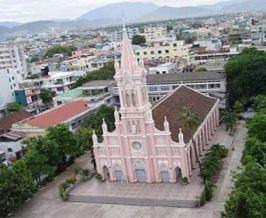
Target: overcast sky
point(32, 10)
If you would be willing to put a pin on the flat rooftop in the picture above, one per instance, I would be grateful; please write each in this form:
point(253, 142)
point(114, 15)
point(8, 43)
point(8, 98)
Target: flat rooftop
point(191, 76)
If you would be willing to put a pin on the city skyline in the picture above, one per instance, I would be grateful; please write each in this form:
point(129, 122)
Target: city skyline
point(29, 10)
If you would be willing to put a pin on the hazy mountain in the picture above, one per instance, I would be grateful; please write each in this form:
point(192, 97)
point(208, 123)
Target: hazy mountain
point(131, 10)
point(9, 24)
point(165, 13)
point(134, 12)
point(245, 5)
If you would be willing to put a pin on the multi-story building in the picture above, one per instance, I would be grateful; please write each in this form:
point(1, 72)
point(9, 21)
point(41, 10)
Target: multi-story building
point(155, 33)
point(29, 97)
point(57, 82)
point(8, 83)
point(167, 49)
point(13, 57)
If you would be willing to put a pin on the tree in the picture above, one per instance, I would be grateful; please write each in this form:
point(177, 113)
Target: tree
point(260, 103)
point(189, 119)
point(138, 40)
point(255, 150)
point(248, 198)
point(37, 163)
point(13, 108)
point(65, 140)
point(105, 73)
point(46, 96)
point(229, 118)
point(15, 187)
point(94, 122)
point(238, 107)
point(58, 49)
point(246, 76)
point(257, 127)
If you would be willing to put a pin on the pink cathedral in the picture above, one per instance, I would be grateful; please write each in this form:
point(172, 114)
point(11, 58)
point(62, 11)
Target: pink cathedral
point(149, 143)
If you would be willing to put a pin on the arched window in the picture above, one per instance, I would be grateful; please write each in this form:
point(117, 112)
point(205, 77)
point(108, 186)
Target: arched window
point(128, 100)
point(133, 99)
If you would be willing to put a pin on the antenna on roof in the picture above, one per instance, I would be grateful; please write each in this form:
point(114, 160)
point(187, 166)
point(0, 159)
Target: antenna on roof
point(123, 19)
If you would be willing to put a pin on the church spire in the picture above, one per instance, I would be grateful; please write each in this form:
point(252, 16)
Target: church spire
point(129, 63)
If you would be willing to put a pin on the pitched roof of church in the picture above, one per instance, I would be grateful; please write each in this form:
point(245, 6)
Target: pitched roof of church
point(172, 105)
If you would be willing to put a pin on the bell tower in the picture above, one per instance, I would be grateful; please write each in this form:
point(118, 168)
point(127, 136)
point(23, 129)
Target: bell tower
point(131, 81)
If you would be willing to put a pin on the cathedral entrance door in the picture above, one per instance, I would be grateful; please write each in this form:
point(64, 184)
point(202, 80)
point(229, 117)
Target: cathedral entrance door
point(178, 174)
point(140, 172)
point(165, 176)
point(141, 175)
point(119, 175)
point(106, 174)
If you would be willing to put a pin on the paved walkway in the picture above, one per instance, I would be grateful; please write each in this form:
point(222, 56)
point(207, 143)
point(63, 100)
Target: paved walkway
point(46, 203)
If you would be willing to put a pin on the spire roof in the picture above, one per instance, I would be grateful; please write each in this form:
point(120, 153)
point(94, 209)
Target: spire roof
point(128, 61)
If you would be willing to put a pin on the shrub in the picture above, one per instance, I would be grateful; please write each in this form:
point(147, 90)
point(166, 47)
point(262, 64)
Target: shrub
point(99, 177)
point(62, 189)
point(184, 180)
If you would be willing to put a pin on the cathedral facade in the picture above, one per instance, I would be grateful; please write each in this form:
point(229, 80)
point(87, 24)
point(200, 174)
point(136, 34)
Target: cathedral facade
point(150, 144)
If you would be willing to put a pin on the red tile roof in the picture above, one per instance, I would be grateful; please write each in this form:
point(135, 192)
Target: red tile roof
point(7, 122)
point(58, 115)
point(172, 106)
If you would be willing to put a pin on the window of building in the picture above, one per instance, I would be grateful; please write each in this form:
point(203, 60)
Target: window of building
point(152, 52)
point(159, 52)
point(145, 53)
point(167, 51)
point(10, 150)
point(153, 89)
point(164, 88)
point(175, 45)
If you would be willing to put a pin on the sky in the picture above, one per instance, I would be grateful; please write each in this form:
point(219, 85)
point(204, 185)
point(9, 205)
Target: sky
point(32, 10)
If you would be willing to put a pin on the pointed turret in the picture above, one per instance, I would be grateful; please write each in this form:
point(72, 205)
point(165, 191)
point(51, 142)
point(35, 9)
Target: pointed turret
point(181, 136)
point(166, 124)
point(104, 127)
point(94, 138)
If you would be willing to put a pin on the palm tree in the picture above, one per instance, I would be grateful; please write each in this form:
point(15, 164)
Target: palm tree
point(189, 120)
point(229, 118)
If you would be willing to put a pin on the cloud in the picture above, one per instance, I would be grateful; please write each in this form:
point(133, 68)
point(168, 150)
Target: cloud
point(32, 10)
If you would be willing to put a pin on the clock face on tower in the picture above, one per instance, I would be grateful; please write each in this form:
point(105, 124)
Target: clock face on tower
point(136, 146)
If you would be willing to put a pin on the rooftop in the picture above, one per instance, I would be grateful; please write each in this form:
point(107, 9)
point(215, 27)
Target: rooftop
point(98, 83)
point(74, 93)
point(177, 77)
point(58, 115)
point(7, 122)
point(172, 105)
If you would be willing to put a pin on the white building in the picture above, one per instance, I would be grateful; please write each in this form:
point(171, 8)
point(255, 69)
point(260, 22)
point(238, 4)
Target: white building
point(57, 82)
point(13, 57)
point(163, 68)
point(8, 83)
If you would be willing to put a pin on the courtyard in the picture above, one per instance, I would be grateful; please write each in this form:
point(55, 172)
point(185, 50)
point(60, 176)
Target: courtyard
point(47, 204)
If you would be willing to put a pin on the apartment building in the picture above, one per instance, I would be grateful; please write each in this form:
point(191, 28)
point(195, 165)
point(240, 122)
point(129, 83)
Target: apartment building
point(167, 49)
point(8, 83)
point(155, 33)
point(13, 57)
point(57, 82)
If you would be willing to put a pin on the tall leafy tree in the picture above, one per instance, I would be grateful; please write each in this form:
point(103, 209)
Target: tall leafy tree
point(246, 76)
point(189, 119)
point(257, 127)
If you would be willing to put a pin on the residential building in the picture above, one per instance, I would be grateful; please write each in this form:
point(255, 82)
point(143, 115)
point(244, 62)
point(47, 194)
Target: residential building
point(155, 33)
point(57, 82)
point(13, 57)
point(8, 83)
point(165, 49)
point(163, 68)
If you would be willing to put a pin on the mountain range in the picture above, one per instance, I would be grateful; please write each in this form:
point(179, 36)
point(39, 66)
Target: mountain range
point(134, 12)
